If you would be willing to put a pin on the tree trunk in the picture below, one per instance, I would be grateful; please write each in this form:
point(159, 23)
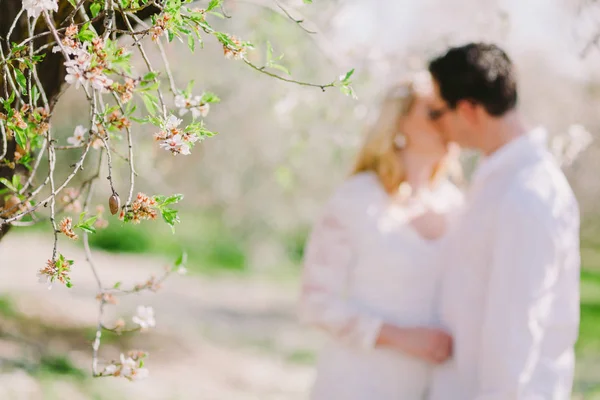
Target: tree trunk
point(51, 70)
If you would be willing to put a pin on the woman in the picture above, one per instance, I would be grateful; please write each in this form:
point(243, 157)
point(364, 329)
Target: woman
point(369, 278)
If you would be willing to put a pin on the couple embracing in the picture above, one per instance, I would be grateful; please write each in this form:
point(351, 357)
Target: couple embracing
point(431, 292)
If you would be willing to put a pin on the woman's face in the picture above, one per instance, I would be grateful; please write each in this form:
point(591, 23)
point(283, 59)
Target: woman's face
point(421, 134)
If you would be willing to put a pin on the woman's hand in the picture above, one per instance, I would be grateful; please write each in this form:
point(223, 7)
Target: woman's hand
point(430, 344)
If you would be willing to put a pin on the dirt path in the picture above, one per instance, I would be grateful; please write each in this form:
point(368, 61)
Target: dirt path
point(216, 339)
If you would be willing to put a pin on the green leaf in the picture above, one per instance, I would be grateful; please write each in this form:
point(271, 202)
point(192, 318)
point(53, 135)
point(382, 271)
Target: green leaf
point(16, 181)
point(213, 4)
point(150, 76)
point(95, 9)
point(21, 80)
point(69, 284)
point(307, 1)
point(117, 285)
point(348, 91)
point(73, 3)
point(150, 102)
point(348, 75)
point(138, 120)
point(170, 35)
point(91, 221)
point(8, 184)
point(85, 34)
point(87, 228)
point(170, 216)
point(188, 89)
point(21, 137)
point(280, 67)
point(7, 103)
point(191, 43)
point(35, 94)
point(181, 260)
point(269, 53)
point(36, 142)
point(209, 97)
point(176, 198)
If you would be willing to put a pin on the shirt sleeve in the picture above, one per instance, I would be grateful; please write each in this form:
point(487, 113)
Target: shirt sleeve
point(527, 338)
point(328, 263)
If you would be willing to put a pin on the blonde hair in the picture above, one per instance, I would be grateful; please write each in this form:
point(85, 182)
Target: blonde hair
point(379, 152)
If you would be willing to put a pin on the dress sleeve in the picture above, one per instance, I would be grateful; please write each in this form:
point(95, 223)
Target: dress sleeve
point(328, 263)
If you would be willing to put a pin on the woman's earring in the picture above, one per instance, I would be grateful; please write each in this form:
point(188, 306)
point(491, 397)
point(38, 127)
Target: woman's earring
point(400, 141)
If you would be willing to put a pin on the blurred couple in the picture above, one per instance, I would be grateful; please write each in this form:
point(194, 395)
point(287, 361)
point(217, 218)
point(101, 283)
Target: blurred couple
point(431, 293)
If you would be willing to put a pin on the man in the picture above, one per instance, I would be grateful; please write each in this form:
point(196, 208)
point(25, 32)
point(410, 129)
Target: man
point(510, 291)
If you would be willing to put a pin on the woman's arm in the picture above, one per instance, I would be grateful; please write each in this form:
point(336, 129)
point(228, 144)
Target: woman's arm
point(328, 262)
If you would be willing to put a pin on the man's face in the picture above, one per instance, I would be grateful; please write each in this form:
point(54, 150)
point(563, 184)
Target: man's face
point(450, 124)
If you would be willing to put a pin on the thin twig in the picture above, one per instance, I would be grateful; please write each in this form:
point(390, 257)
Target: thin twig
point(8, 77)
point(281, 78)
point(51, 164)
point(299, 22)
point(35, 167)
point(130, 146)
point(4, 140)
point(14, 24)
point(147, 61)
point(76, 169)
point(72, 13)
point(163, 55)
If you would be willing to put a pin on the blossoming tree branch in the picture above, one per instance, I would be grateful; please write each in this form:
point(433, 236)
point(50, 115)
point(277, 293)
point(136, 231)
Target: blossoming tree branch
point(49, 45)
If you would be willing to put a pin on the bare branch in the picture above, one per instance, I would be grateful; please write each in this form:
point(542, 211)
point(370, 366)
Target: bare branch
point(281, 78)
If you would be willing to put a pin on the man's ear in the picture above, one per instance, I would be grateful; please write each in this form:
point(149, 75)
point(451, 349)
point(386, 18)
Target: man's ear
point(468, 110)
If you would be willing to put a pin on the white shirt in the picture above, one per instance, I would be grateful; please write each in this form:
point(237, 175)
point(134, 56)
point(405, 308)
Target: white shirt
point(364, 264)
point(510, 289)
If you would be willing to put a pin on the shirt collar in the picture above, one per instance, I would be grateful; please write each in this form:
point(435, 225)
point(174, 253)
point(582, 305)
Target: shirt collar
point(510, 153)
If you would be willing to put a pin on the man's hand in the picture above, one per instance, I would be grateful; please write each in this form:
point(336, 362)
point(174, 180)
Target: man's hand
point(430, 344)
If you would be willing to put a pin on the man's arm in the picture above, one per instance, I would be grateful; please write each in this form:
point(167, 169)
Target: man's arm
point(523, 286)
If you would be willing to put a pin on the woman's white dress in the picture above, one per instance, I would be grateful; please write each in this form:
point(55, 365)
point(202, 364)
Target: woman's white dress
point(365, 265)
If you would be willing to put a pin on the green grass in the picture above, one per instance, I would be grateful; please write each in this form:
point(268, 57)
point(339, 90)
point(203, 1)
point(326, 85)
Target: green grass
point(52, 365)
point(589, 330)
point(210, 245)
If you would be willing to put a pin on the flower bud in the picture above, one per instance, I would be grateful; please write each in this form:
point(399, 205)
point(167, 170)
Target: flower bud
point(114, 203)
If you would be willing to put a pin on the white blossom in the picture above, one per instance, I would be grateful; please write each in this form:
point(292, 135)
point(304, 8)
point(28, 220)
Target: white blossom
point(110, 369)
point(139, 374)
point(176, 145)
point(180, 101)
point(144, 317)
point(172, 122)
point(195, 105)
point(100, 82)
point(45, 279)
point(35, 7)
point(182, 270)
point(78, 136)
point(75, 76)
point(128, 365)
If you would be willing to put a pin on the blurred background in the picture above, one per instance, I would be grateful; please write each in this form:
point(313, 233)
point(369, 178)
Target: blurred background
point(228, 329)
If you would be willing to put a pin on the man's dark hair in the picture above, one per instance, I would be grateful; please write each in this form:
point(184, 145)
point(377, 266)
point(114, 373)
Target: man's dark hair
point(477, 72)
